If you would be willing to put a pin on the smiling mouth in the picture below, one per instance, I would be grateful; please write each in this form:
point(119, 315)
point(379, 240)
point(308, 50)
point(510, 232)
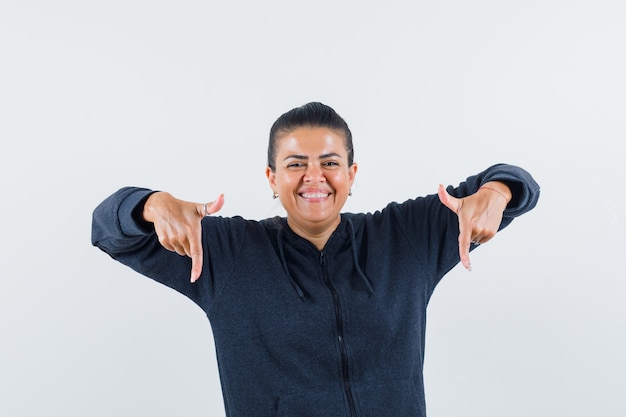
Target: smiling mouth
point(314, 195)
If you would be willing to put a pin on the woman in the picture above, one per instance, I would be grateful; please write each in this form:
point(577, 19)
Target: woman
point(321, 313)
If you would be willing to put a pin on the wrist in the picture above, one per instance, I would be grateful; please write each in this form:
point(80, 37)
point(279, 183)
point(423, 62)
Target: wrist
point(500, 188)
point(149, 206)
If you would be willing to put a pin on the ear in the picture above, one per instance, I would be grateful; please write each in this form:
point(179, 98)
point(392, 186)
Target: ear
point(271, 177)
point(352, 172)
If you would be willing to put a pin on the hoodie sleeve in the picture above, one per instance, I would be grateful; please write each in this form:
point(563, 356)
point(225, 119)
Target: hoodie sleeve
point(432, 229)
point(524, 189)
point(119, 232)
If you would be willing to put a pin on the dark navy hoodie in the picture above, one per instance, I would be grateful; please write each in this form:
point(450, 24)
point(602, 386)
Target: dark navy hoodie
point(303, 332)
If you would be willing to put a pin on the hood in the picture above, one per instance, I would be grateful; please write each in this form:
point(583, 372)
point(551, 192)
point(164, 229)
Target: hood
point(346, 227)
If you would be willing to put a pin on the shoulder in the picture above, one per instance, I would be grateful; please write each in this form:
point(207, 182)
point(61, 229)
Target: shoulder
point(395, 212)
point(239, 226)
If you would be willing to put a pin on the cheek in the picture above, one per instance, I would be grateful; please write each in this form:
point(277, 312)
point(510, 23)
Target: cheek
point(286, 181)
point(340, 180)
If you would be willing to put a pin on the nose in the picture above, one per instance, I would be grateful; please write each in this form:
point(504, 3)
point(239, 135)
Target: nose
point(314, 174)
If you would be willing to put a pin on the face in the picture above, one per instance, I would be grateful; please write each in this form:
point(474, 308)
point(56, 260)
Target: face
point(312, 179)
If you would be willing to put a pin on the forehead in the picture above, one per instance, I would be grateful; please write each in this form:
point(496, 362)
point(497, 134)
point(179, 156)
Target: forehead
point(311, 140)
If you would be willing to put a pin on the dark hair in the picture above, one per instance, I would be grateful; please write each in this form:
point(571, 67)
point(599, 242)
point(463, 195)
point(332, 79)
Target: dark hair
point(313, 114)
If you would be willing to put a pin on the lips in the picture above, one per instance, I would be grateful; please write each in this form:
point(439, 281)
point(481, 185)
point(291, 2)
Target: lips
point(314, 195)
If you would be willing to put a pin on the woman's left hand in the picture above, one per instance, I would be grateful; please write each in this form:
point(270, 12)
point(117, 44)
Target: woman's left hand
point(480, 215)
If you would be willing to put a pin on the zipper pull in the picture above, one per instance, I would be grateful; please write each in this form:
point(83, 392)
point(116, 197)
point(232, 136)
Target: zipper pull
point(322, 257)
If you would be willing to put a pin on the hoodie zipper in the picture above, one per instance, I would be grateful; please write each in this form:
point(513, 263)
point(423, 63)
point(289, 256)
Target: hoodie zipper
point(342, 346)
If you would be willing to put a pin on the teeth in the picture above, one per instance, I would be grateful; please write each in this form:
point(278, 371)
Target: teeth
point(315, 195)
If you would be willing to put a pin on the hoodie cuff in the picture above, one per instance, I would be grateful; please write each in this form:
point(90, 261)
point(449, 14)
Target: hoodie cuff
point(130, 214)
point(524, 189)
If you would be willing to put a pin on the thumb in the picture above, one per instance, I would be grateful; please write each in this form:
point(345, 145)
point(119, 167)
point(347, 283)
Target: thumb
point(214, 206)
point(449, 201)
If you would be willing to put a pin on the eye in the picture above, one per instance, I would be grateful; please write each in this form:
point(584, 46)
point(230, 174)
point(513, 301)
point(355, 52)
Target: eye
point(295, 165)
point(330, 163)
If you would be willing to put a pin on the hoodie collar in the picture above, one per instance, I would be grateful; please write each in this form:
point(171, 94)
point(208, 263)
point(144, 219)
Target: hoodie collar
point(346, 229)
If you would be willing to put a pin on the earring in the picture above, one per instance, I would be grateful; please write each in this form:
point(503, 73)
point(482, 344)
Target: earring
point(275, 195)
point(350, 193)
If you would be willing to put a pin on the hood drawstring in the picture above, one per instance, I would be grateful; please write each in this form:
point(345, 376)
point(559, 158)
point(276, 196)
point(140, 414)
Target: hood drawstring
point(283, 261)
point(355, 258)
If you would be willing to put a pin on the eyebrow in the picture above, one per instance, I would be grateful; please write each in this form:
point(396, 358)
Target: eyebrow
point(304, 157)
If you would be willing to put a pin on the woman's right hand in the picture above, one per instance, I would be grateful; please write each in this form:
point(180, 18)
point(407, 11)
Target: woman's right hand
point(177, 225)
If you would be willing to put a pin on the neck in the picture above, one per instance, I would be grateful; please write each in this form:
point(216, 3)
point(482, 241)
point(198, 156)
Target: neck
point(318, 235)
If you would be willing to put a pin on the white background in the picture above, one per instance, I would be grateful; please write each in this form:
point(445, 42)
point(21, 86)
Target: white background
point(180, 95)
